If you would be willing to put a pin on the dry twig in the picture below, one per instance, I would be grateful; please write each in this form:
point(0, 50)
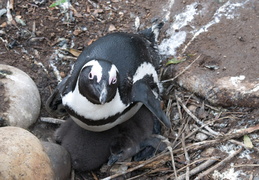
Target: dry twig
point(200, 168)
point(52, 120)
point(200, 176)
point(219, 139)
point(187, 176)
point(136, 167)
point(9, 16)
point(195, 118)
point(246, 165)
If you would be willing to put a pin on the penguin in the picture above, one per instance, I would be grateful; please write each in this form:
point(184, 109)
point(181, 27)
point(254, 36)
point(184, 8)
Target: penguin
point(134, 136)
point(88, 150)
point(110, 81)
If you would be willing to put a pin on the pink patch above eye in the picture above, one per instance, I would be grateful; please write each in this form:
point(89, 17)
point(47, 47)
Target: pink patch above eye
point(113, 80)
point(94, 73)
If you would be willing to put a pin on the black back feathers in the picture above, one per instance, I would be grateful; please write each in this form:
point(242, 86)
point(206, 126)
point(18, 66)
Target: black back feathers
point(136, 59)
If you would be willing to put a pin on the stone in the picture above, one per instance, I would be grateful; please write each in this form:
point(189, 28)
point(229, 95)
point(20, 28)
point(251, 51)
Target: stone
point(221, 60)
point(59, 158)
point(201, 136)
point(22, 156)
point(21, 97)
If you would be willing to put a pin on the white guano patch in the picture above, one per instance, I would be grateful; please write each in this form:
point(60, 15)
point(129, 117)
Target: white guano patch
point(176, 39)
point(227, 10)
point(229, 174)
point(168, 46)
point(235, 81)
point(167, 9)
point(55, 70)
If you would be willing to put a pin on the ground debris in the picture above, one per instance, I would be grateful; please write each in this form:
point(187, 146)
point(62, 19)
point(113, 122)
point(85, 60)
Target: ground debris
point(193, 158)
point(38, 49)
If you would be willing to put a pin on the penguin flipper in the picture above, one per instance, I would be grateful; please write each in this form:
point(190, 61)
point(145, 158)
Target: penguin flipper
point(141, 92)
point(149, 147)
point(54, 102)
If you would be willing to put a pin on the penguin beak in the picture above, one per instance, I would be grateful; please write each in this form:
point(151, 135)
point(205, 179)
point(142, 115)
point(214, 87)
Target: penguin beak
point(103, 92)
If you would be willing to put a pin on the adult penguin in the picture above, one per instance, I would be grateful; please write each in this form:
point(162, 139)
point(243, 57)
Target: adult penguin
point(111, 79)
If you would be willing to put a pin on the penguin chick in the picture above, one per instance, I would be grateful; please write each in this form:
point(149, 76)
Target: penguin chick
point(134, 136)
point(88, 150)
point(111, 79)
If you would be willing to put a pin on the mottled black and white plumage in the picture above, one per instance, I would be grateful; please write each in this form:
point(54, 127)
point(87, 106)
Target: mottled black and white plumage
point(111, 79)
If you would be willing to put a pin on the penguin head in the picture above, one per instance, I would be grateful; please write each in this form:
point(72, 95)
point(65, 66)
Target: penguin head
point(98, 81)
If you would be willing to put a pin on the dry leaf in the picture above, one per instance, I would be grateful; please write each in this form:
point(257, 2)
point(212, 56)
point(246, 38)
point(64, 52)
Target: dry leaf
point(74, 52)
point(247, 141)
point(77, 32)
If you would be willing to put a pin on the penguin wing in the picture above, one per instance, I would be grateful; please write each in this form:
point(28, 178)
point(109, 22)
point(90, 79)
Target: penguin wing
point(141, 92)
point(54, 102)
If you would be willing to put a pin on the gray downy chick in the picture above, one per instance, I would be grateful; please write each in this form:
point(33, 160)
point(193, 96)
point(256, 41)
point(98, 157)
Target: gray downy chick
point(88, 150)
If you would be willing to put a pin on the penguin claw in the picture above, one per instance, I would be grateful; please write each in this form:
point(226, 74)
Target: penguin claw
point(113, 159)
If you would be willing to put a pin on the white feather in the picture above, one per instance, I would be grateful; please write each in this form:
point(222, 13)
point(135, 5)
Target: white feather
point(104, 127)
point(96, 69)
point(147, 69)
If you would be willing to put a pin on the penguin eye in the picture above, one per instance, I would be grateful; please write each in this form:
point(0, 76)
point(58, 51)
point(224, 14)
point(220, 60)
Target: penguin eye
point(90, 76)
point(114, 80)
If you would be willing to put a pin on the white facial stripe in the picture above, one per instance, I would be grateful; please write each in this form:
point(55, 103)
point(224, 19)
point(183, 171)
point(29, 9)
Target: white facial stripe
point(112, 73)
point(96, 69)
point(143, 70)
point(85, 108)
point(147, 69)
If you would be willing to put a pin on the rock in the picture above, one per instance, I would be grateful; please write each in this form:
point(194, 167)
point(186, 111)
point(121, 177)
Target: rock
point(201, 136)
point(219, 67)
point(60, 160)
point(19, 97)
point(111, 28)
point(22, 155)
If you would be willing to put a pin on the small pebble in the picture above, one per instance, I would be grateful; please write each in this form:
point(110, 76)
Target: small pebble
point(201, 136)
point(111, 28)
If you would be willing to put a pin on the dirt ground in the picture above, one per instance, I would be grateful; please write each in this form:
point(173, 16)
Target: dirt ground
point(38, 39)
